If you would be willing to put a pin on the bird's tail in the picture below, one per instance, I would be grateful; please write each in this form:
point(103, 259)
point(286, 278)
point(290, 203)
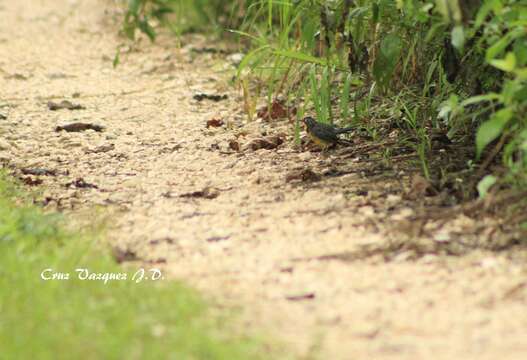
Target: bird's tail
point(345, 130)
point(345, 142)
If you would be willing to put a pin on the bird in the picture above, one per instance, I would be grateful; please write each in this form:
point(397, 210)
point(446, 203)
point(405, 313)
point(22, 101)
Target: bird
point(324, 135)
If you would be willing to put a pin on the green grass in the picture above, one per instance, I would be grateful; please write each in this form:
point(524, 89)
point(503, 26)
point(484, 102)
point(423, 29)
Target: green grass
point(76, 319)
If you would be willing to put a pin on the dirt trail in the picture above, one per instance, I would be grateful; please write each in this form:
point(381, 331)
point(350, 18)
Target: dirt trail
point(252, 239)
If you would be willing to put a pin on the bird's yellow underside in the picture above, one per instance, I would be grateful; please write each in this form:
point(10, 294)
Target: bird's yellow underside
point(323, 144)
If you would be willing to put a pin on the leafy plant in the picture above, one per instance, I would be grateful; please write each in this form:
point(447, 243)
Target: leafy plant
point(499, 30)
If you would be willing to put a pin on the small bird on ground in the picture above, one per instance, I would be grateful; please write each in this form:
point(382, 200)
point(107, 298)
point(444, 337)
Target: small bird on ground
point(324, 135)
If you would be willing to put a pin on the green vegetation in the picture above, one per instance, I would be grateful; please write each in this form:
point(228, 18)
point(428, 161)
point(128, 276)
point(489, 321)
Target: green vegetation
point(423, 67)
point(83, 319)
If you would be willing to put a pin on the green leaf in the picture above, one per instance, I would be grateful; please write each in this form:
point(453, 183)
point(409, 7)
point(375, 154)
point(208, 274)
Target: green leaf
point(146, 28)
point(521, 73)
point(387, 58)
point(133, 6)
point(520, 50)
point(129, 26)
point(458, 37)
point(499, 46)
point(510, 91)
point(246, 34)
point(484, 11)
point(480, 98)
point(447, 107)
point(485, 184)
point(345, 97)
point(391, 47)
point(508, 64)
point(523, 140)
point(374, 12)
point(492, 129)
point(300, 56)
point(450, 10)
point(161, 11)
point(248, 58)
point(435, 29)
point(116, 59)
point(314, 92)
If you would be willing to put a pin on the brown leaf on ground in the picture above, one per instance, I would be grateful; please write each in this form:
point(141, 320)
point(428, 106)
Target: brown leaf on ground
point(215, 98)
point(78, 126)
point(28, 180)
point(308, 296)
point(100, 149)
point(79, 183)
point(157, 261)
point(166, 239)
point(214, 123)
point(234, 145)
point(218, 238)
point(420, 187)
point(123, 255)
point(303, 175)
point(38, 172)
point(268, 142)
point(206, 193)
point(208, 50)
point(64, 104)
point(278, 110)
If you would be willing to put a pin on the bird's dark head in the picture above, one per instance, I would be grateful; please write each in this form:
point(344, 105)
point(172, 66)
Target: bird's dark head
point(309, 121)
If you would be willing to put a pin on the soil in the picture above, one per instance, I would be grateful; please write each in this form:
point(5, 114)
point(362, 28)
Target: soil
point(323, 252)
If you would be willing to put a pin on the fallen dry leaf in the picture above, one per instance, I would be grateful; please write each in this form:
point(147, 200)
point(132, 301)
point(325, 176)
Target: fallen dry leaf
point(28, 180)
point(100, 149)
point(64, 104)
point(234, 145)
point(303, 175)
point(81, 184)
point(204, 96)
point(206, 193)
point(419, 187)
point(277, 110)
point(157, 261)
point(214, 123)
point(78, 126)
point(308, 296)
point(218, 238)
point(122, 255)
point(208, 50)
point(38, 172)
point(268, 142)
